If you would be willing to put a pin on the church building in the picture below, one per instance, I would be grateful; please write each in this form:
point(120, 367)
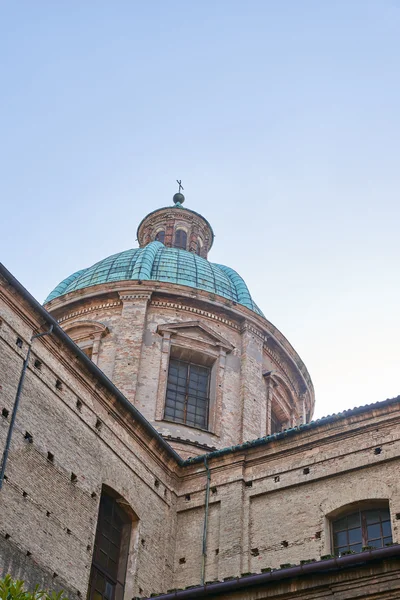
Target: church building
point(157, 440)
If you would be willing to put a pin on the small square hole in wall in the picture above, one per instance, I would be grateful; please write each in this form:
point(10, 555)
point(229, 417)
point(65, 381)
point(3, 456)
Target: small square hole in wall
point(214, 490)
point(28, 437)
point(38, 364)
point(68, 531)
point(277, 478)
point(156, 483)
point(187, 497)
point(255, 552)
point(99, 424)
point(28, 553)
point(48, 513)
point(5, 413)
point(55, 575)
point(79, 594)
point(88, 547)
point(306, 471)
point(217, 551)
point(397, 516)
point(285, 543)
point(248, 483)
point(182, 560)
point(142, 541)
point(7, 536)
point(93, 495)
point(59, 385)
point(24, 494)
point(50, 457)
point(19, 342)
point(378, 450)
point(79, 404)
point(74, 478)
point(318, 535)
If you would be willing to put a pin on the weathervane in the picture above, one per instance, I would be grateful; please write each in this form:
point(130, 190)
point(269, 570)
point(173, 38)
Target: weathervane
point(179, 182)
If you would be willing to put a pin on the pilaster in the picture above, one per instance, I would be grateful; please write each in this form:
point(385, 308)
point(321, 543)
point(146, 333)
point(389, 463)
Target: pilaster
point(130, 339)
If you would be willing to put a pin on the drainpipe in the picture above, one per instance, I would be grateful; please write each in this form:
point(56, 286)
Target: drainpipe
point(16, 403)
point(204, 555)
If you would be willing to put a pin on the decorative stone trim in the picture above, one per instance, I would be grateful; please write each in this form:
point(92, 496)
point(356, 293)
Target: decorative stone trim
point(197, 311)
point(135, 296)
point(90, 309)
point(248, 327)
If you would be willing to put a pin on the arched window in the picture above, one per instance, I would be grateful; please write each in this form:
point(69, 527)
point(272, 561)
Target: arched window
point(180, 239)
point(198, 247)
point(111, 548)
point(360, 528)
point(160, 237)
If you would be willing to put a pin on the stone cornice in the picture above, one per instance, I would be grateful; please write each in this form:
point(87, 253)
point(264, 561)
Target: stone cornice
point(89, 309)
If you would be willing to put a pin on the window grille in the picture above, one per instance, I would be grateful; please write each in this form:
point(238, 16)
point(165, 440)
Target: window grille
point(187, 398)
point(107, 576)
point(362, 528)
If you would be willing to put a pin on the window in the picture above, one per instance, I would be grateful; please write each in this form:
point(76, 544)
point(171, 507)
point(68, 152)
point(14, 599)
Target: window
point(160, 236)
point(362, 528)
point(276, 425)
point(187, 398)
point(198, 247)
point(180, 239)
point(111, 547)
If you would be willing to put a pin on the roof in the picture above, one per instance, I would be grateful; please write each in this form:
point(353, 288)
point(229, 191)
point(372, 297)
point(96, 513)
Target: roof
point(156, 262)
point(310, 568)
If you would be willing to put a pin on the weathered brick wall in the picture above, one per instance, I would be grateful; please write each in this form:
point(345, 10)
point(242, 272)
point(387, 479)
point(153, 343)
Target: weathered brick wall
point(49, 520)
point(271, 512)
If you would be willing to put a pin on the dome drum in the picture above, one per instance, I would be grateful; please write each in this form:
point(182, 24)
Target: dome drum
point(183, 339)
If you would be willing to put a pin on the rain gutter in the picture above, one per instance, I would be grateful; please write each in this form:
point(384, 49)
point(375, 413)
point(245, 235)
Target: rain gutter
point(313, 568)
point(293, 431)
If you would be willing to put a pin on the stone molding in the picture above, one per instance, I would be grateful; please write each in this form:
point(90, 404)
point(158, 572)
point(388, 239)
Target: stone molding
point(89, 309)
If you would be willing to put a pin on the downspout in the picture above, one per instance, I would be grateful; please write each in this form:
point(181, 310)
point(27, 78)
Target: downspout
point(204, 554)
point(16, 403)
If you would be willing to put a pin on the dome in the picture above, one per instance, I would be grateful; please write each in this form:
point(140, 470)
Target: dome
point(155, 262)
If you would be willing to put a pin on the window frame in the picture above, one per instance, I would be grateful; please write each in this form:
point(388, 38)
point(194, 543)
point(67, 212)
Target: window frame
point(362, 511)
point(180, 231)
point(189, 365)
point(116, 580)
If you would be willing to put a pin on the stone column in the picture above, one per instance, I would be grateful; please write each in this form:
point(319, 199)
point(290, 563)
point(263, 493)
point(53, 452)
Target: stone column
point(129, 343)
point(252, 386)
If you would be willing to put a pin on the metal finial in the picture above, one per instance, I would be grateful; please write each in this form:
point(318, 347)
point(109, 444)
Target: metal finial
point(178, 197)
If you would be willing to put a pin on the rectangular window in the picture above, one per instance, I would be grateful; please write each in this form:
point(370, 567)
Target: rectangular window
point(276, 425)
point(187, 398)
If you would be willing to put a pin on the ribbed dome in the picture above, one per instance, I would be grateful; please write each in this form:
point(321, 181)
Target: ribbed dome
point(155, 262)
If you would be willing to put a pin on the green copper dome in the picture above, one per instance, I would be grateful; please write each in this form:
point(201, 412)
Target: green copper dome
point(155, 262)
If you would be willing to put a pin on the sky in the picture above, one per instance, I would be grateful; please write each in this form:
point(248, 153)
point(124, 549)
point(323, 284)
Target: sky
point(282, 119)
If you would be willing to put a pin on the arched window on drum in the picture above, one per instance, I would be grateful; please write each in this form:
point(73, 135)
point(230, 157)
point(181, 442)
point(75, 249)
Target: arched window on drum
point(160, 236)
point(180, 239)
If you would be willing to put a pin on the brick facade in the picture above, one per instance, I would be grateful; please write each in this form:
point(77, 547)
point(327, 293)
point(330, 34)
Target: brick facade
point(271, 500)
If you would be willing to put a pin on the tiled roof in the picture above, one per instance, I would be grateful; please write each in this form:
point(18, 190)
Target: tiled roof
point(155, 262)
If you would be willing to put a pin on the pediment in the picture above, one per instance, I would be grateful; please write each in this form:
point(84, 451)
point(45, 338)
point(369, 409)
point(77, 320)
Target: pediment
point(85, 328)
point(197, 331)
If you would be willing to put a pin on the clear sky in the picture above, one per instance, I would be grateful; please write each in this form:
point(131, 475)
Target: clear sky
point(282, 119)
